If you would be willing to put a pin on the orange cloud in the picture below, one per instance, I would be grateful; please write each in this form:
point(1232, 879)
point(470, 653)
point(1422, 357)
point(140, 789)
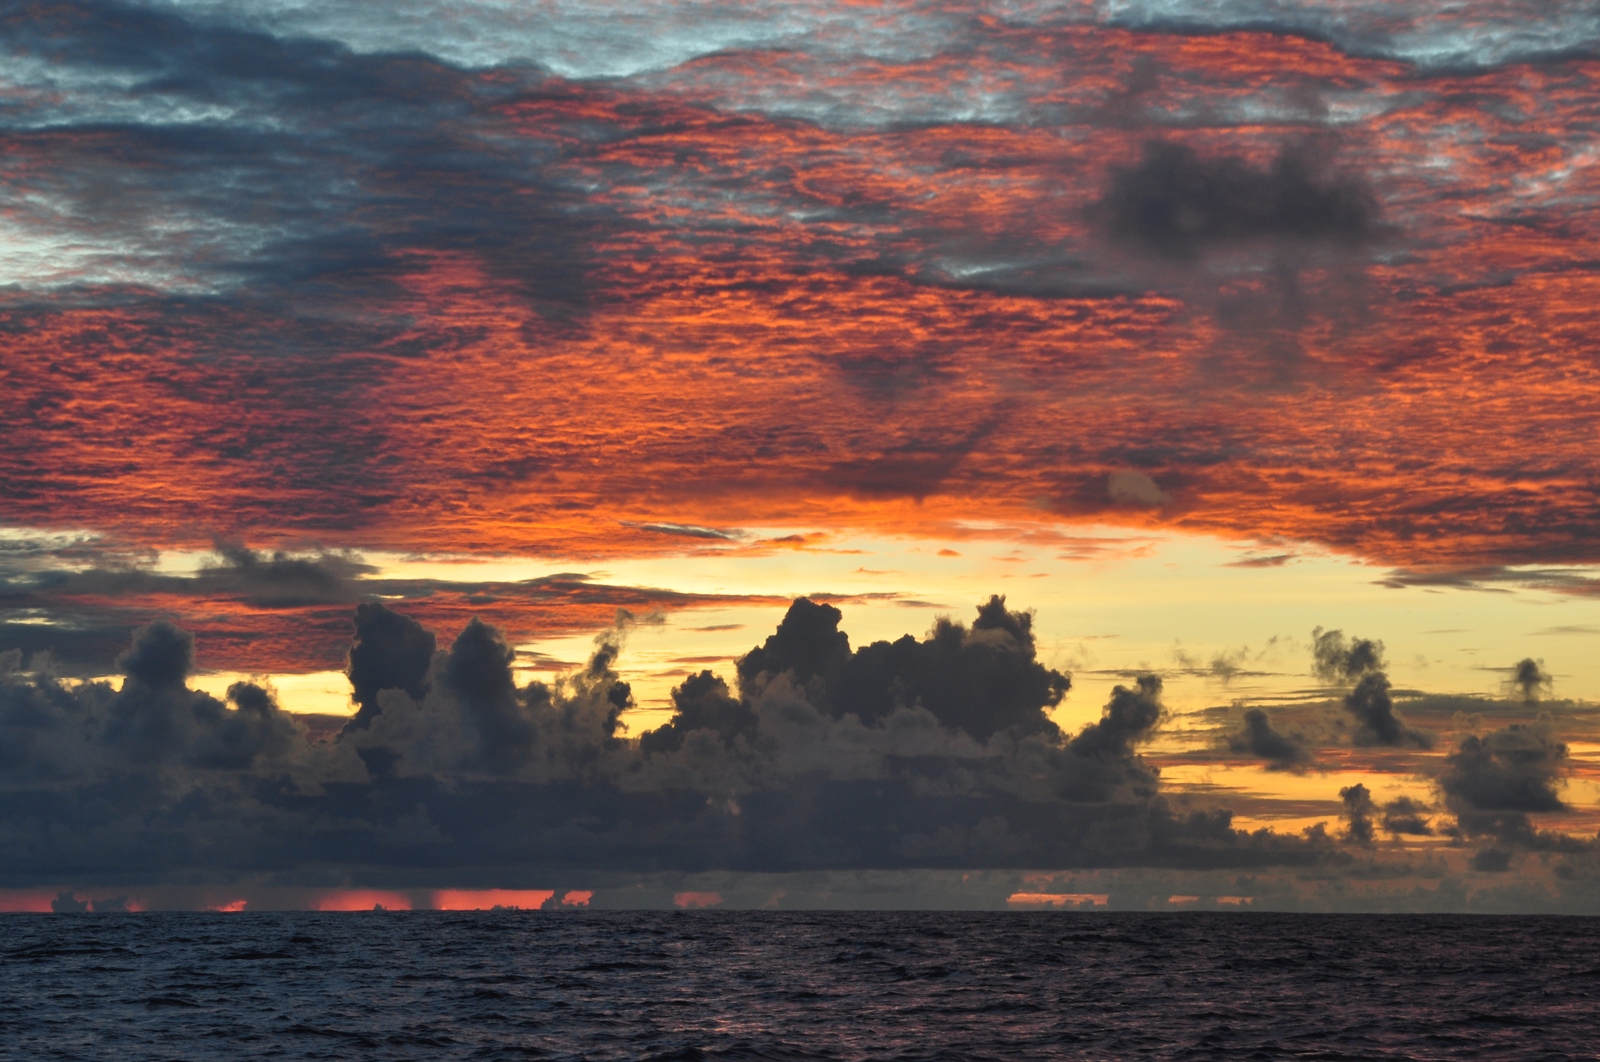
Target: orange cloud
point(25, 901)
point(361, 900)
point(693, 900)
point(1058, 899)
point(486, 899)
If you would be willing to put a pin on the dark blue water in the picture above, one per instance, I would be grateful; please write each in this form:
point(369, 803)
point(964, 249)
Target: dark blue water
point(727, 985)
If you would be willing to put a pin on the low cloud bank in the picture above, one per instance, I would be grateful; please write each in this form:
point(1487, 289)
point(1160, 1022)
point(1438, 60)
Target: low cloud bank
point(936, 752)
point(920, 755)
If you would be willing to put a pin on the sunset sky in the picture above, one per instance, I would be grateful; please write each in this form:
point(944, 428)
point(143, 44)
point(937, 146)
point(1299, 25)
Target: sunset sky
point(1219, 336)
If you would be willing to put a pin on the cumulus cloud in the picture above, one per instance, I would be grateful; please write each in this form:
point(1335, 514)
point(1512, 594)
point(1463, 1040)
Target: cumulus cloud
point(980, 680)
point(55, 733)
point(1338, 659)
point(1377, 722)
point(932, 752)
point(1258, 738)
point(1358, 812)
point(1515, 769)
point(389, 652)
point(1495, 782)
point(1408, 816)
point(1530, 680)
point(1359, 661)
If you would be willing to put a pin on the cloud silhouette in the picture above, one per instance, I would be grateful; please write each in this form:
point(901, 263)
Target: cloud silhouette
point(823, 758)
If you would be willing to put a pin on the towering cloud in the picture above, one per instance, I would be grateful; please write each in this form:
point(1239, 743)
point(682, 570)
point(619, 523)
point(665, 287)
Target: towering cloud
point(980, 680)
point(1358, 812)
point(823, 758)
point(389, 652)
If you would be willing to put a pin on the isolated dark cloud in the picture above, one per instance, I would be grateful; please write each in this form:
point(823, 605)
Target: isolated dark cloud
point(1176, 203)
point(1334, 658)
point(1358, 812)
point(1529, 679)
point(1258, 738)
point(458, 767)
point(1376, 719)
point(1493, 783)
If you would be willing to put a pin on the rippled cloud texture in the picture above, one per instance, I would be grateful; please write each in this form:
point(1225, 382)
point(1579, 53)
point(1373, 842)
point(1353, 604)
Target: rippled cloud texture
point(587, 281)
point(328, 271)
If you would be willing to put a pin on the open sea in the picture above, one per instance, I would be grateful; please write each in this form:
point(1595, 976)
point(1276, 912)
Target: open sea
point(746, 985)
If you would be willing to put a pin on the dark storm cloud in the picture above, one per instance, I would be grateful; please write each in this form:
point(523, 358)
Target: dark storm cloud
point(823, 757)
point(702, 702)
point(1176, 204)
point(290, 163)
point(1258, 738)
point(89, 734)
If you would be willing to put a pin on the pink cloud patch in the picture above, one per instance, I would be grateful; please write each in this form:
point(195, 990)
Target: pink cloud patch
point(692, 900)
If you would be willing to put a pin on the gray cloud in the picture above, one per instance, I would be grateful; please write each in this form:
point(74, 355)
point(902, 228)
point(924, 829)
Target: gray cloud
point(1377, 722)
point(389, 652)
point(823, 757)
point(1360, 661)
point(1258, 738)
point(1358, 812)
point(1337, 659)
point(1529, 680)
point(281, 162)
point(1176, 204)
point(1495, 782)
point(1404, 815)
point(1514, 769)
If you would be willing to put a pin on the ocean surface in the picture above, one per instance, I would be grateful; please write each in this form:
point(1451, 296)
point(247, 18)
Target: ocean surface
point(731, 985)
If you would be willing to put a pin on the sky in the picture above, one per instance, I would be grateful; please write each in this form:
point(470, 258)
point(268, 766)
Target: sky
point(1111, 454)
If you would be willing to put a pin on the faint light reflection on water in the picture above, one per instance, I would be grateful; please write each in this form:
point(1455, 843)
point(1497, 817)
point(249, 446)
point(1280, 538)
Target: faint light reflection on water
point(728, 985)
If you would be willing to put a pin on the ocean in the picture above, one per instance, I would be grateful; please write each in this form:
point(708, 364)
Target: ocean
point(786, 985)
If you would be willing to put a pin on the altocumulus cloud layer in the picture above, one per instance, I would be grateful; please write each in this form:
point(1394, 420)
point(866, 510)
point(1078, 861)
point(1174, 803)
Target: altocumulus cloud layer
point(376, 277)
point(919, 753)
